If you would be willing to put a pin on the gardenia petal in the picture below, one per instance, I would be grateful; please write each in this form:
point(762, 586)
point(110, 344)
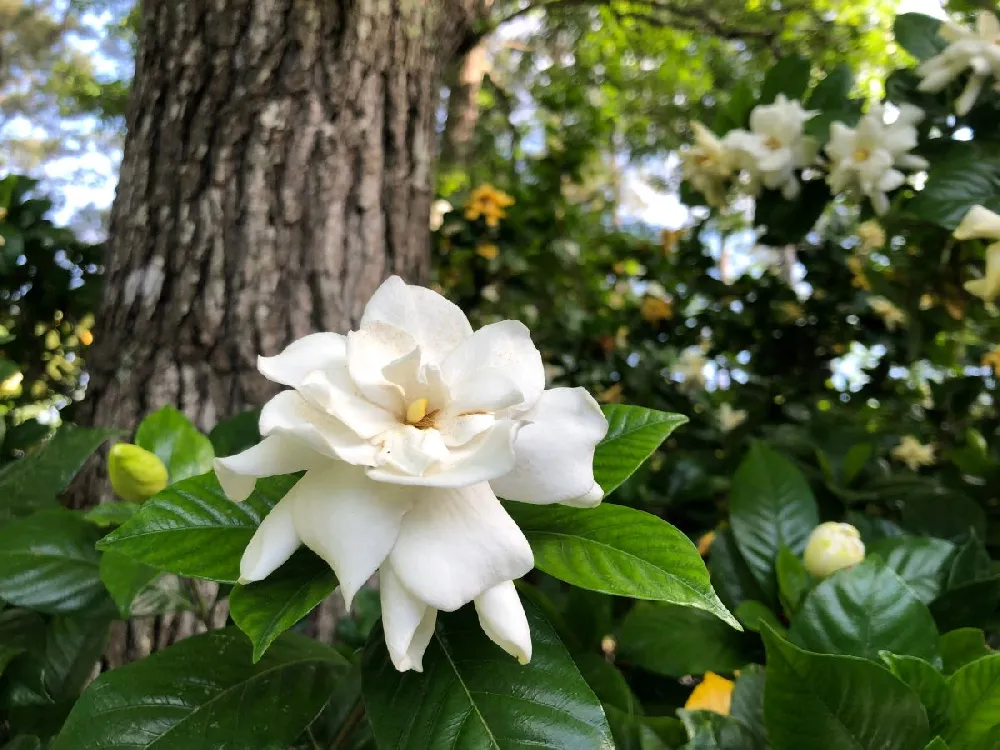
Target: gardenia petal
point(289, 413)
point(978, 223)
point(336, 394)
point(504, 348)
point(502, 618)
point(348, 520)
point(563, 430)
point(274, 455)
point(408, 622)
point(487, 390)
point(318, 351)
point(436, 324)
point(272, 544)
point(456, 544)
point(369, 351)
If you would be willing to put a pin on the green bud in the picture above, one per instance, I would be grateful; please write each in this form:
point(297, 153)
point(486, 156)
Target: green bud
point(136, 474)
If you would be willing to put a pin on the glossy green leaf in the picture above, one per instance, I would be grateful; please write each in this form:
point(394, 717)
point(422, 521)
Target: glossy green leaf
point(633, 434)
point(832, 91)
point(918, 35)
point(863, 610)
point(730, 576)
point(969, 604)
point(24, 742)
point(266, 609)
point(712, 731)
point(937, 744)
point(35, 481)
point(922, 562)
point(676, 641)
point(474, 696)
point(752, 615)
point(184, 450)
point(835, 702)
point(961, 646)
point(48, 562)
point(789, 76)
point(963, 176)
point(139, 590)
point(617, 550)
point(771, 506)
point(236, 434)
point(927, 682)
point(975, 702)
point(945, 516)
point(747, 703)
point(107, 515)
point(204, 692)
point(192, 529)
point(794, 581)
point(621, 706)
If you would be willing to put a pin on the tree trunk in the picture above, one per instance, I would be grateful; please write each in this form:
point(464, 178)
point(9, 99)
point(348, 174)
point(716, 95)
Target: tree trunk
point(278, 166)
point(463, 107)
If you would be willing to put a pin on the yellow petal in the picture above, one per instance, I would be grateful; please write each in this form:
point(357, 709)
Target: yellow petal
point(714, 693)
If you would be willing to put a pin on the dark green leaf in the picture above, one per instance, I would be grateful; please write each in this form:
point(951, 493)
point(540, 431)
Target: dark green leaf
point(943, 516)
point(794, 580)
point(184, 450)
point(961, 177)
point(204, 693)
point(833, 89)
point(927, 683)
point(106, 515)
point(863, 610)
point(676, 641)
point(140, 590)
point(24, 742)
point(918, 35)
point(35, 481)
point(747, 705)
point(712, 731)
point(633, 434)
point(266, 609)
point(789, 221)
point(833, 702)
point(618, 550)
point(753, 614)
point(975, 702)
point(969, 604)
point(236, 434)
point(730, 576)
point(771, 506)
point(192, 529)
point(473, 695)
point(789, 76)
point(959, 647)
point(48, 562)
point(921, 562)
point(937, 744)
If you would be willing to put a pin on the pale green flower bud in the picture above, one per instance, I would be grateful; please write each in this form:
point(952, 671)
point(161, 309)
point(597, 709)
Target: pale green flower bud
point(136, 474)
point(831, 547)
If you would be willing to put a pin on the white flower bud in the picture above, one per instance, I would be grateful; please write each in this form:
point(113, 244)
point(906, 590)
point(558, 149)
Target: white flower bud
point(831, 547)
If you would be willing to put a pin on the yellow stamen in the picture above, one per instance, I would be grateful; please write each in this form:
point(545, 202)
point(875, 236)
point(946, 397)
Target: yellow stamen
point(773, 143)
point(416, 411)
point(862, 154)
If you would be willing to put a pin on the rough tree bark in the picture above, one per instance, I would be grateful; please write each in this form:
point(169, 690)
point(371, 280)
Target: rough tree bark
point(278, 166)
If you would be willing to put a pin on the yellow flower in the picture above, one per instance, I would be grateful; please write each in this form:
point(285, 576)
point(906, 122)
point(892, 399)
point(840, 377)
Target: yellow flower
point(612, 395)
point(656, 309)
point(86, 338)
point(871, 234)
point(831, 547)
point(992, 359)
point(860, 280)
point(927, 301)
point(12, 385)
point(713, 693)
point(136, 474)
point(891, 315)
point(913, 453)
point(704, 543)
point(955, 308)
point(981, 223)
point(488, 202)
point(488, 251)
point(791, 310)
point(52, 339)
point(730, 418)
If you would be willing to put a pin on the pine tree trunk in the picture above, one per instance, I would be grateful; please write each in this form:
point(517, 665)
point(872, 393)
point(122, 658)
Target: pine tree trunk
point(278, 166)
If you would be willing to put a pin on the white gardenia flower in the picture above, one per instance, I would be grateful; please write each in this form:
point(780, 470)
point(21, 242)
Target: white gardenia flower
point(408, 429)
point(707, 165)
point(831, 547)
point(913, 453)
point(976, 49)
point(730, 418)
point(439, 209)
point(774, 147)
point(691, 365)
point(981, 223)
point(869, 158)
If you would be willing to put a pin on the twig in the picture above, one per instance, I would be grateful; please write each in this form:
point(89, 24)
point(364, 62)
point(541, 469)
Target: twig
point(349, 725)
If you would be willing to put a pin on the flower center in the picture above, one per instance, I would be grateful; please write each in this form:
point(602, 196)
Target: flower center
point(862, 154)
point(418, 416)
point(703, 160)
point(773, 143)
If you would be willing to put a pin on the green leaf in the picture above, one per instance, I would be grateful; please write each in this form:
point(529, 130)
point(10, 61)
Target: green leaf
point(975, 702)
point(747, 705)
point(730, 576)
point(24, 742)
point(937, 744)
point(833, 702)
point(184, 450)
point(473, 695)
point(969, 604)
point(962, 646)
point(620, 551)
point(107, 515)
point(922, 562)
point(140, 590)
point(753, 614)
point(712, 731)
point(48, 562)
point(676, 641)
point(854, 461)
point(789, 221)
point(204, 692)
point(961, 176)
point(236, 434)
point(266, 609)
point(863, 610)
point(192, 529)
point(35, 481)
point(633, 434)
point(945, 516)
point(918, 35)
point(833, 90)
point(620, 705)
point(789, 76)
point(771, 506)
point(927, 683)
point(794, 580)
